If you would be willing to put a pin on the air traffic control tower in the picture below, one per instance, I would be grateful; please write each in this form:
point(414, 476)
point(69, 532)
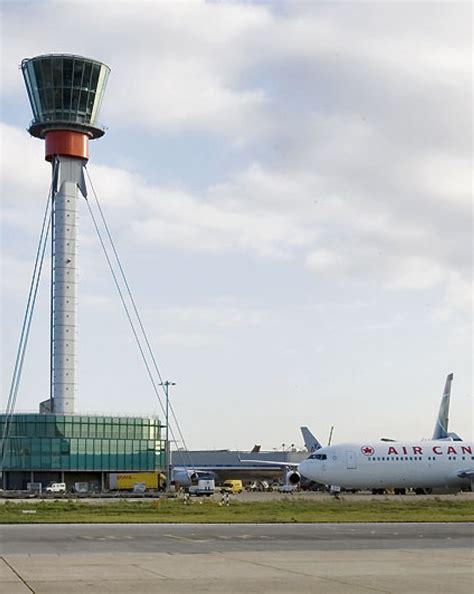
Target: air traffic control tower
point(65, 94)
point(58, 444)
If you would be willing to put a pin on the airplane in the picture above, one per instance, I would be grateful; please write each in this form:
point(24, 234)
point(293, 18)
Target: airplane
point(392, 464)
point(380, 465)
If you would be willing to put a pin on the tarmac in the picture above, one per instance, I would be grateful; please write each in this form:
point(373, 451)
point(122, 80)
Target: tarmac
point(276, 558)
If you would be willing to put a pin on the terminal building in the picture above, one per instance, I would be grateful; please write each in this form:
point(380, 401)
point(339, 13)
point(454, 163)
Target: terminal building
point(45, 448)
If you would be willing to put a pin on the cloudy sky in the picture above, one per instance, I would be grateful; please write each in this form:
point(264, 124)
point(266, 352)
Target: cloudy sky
point(289, 188)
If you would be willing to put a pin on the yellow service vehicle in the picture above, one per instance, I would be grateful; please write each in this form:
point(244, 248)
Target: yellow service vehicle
point(125, 481)
point(233, 486)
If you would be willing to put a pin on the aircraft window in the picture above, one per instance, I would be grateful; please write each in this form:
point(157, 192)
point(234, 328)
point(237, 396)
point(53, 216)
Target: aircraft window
point(320, 457)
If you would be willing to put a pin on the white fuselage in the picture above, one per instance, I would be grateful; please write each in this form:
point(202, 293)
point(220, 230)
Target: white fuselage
point(374, 465)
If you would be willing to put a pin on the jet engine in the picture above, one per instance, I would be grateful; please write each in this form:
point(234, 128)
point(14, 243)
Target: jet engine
point(292, 477)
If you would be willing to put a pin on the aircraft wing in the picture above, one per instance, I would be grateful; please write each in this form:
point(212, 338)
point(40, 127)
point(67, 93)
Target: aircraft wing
point(272, 463)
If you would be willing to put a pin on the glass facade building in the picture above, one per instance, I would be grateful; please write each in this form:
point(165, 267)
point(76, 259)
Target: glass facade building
point(65, 92)
point(47, 442)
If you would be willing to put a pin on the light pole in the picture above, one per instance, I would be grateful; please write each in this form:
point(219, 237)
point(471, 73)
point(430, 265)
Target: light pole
point(166, 385)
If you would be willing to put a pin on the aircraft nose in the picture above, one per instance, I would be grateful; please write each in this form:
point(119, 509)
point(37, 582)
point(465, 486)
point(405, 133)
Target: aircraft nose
point(302, 466)
point(310, 469)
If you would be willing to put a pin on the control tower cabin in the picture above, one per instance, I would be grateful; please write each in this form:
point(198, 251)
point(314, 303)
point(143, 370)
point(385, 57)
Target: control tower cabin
point(65, 93)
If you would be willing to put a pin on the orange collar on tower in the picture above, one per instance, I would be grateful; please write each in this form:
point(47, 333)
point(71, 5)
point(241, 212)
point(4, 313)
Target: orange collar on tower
point(68, 143)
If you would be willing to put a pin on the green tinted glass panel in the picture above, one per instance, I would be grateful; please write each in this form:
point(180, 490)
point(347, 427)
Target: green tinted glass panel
point(42, 442)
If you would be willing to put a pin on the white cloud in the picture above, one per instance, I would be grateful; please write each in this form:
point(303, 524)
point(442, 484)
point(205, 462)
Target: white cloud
point(458, 298)
point(323, 259)
point(413, 272)
point(291, 215)
point(219, 315)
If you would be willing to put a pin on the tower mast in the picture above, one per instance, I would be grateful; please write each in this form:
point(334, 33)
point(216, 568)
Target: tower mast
point(65, 93)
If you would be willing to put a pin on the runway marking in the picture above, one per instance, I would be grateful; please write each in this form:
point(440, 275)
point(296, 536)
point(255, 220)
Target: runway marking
point(17, 574)
point(184, 538)
point(109, 537)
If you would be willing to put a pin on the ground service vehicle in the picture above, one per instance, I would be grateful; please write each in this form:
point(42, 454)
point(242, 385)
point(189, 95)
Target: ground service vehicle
point(81, 488)
point(125, 481)
point(233, 486)
point(56, 488)
point(203, 487)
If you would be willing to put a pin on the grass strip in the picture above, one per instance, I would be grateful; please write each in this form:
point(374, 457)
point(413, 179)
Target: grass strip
point(209, 511)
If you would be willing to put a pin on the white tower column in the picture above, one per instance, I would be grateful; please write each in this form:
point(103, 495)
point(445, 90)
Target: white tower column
point(69, 180)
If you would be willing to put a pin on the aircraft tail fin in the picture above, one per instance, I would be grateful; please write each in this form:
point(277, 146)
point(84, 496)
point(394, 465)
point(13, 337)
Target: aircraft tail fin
point(310, 441)
point(441, 426)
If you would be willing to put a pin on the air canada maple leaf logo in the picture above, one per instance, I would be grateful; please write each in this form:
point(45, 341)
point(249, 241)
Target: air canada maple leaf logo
point(367, 450)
